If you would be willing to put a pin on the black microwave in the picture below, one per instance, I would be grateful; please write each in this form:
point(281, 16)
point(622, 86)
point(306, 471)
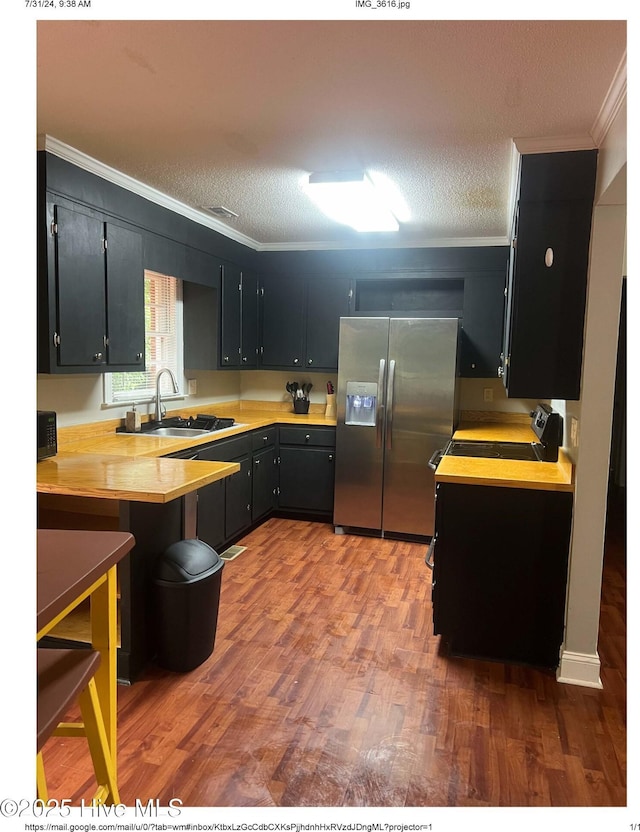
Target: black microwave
point(47, 434)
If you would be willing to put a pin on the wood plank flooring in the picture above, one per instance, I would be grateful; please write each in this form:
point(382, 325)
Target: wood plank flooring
point(326, 687)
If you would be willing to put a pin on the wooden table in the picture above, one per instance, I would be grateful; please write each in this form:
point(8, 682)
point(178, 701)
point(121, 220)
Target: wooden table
point(72, 566)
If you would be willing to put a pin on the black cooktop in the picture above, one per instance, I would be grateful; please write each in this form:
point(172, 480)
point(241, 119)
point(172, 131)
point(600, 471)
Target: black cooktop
point(494, 450)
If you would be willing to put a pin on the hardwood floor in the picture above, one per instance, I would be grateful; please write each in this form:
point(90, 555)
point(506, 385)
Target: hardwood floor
point(326, 688)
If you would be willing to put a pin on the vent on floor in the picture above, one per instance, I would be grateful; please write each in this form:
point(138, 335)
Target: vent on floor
point(232, 552)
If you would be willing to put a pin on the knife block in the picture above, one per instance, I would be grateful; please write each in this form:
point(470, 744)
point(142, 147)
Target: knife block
point(330, 409)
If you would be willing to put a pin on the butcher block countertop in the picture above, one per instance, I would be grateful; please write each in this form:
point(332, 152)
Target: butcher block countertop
point(95, 461)
point(504, 473)
point(120, 478)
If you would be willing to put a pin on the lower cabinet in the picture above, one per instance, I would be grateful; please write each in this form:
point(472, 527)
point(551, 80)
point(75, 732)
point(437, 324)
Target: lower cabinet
point(293, 475)
point(500, 572)
point(264, 460)
point(307, 469)
point(224, 508)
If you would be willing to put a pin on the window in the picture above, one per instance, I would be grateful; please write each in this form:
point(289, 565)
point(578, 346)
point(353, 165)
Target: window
point(163, 343)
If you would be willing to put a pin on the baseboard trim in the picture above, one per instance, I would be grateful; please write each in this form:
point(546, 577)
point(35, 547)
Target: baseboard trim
point(579, 669)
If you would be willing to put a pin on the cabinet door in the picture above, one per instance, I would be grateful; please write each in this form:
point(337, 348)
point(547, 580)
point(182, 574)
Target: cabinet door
point(81, 292)
point(264, 479)
point(306, 479)
point(545, 328)
point(249, 321)
point(482, 324)
point(327, 302)
point(211, 514)
point(501, 573)
point(238, 499)
point(125, 298)
point(230, 353)
point(200, 326)
point(283, 322)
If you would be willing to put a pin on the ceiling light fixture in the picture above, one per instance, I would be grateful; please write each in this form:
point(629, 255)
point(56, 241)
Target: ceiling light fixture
point(352, 198)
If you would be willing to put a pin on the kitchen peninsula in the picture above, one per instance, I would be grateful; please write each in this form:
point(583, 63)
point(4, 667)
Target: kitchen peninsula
point(101, 479)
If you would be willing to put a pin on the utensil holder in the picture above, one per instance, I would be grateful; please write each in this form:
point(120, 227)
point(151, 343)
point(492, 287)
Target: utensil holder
point(301, 405)
point(330, 409)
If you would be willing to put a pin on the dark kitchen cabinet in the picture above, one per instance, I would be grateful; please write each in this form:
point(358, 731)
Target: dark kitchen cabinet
point(239, 319)
point(307, 469)
point(90, 293)
point(301, 321)
point(500, 575)
point(237, 488)
point(264, 444)
point(482, 323)
point(211, 514)
point(547, 286)
point(327, 301)
point(283, 322)
point(200, 326)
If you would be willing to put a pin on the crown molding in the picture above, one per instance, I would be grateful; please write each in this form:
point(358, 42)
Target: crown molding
point(615, 97)
point(553, 144)
point(81, 160)
point(444, 242)
point(88, 163)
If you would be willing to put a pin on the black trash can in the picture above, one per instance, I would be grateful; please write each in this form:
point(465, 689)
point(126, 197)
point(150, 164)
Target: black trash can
point(187, 585)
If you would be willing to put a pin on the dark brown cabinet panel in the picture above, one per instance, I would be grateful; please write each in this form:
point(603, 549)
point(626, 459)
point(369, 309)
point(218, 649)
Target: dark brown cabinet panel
point(307, 469)
point(301, 321)
point(544, 322)
point(500, 575)
point(81, 326)
point(90, 293)
point(239, 319)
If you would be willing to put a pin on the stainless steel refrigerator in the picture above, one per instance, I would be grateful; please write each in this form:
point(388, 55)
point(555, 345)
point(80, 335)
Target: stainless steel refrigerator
point(396, 405)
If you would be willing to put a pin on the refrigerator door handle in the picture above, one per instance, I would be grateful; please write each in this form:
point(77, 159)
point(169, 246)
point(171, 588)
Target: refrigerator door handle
point(392, 372)
point(380, 412)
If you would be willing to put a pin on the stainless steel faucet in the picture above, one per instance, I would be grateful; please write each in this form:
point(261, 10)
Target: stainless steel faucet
point(176, 389)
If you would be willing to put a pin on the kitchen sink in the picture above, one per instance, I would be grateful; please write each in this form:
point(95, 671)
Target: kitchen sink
point(178, 427)
point(175, 432)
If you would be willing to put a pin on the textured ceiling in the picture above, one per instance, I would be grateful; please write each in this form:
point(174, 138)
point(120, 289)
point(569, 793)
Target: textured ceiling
point(237, 113)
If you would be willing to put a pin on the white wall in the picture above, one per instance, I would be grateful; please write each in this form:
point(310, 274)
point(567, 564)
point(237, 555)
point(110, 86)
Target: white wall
point(77, 399)
point(579, 660)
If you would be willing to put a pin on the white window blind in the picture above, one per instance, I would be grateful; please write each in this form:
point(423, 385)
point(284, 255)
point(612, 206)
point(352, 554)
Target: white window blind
point(163, 344)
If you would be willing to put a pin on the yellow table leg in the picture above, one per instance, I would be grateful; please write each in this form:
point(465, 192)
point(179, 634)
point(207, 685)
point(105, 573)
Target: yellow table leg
point(104, 637)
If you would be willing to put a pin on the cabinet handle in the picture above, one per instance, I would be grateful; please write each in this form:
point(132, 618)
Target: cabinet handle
point(310, 361)
point(307, 438)
point(265, 438)
point(97, 356)
point(296, 360)
point(139, 356)
point(500, 372)
point(257, 461)
point(244, 358)
point(548, 258)
point(330, 457)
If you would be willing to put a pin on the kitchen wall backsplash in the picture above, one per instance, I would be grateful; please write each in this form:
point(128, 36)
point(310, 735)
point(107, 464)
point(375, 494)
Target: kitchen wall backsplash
point(77, 399)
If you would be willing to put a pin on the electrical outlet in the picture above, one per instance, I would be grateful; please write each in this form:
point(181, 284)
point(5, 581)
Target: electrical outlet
point(192, 386)
point(574, 432)
point(488, 394)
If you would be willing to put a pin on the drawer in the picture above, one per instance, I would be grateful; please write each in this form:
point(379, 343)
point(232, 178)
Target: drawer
point(300, 435)
point(226, 449)
point(263, 438)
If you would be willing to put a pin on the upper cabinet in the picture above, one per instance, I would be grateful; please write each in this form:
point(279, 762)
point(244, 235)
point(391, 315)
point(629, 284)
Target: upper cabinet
point(239, 318)
point(546, 291)
point(301, 321)
point(90, 292)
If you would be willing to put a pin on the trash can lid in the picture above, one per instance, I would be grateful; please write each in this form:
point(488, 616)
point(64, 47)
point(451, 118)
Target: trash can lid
point(187, 559)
